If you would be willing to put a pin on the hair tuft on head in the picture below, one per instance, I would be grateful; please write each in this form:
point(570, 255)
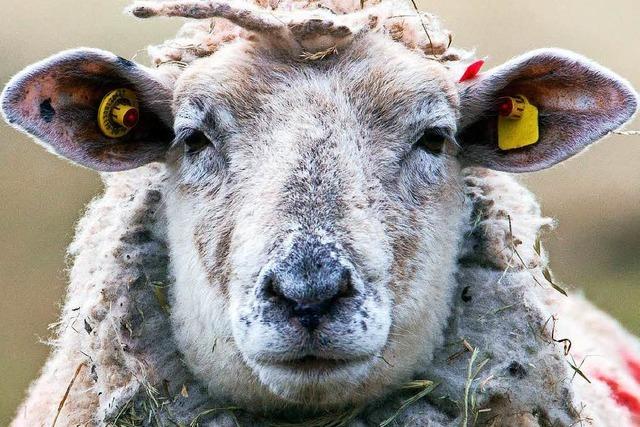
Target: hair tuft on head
point(307, 28)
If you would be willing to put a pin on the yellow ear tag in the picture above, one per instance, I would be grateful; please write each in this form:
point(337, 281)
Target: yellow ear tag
point(517, 123)
point(118, 113)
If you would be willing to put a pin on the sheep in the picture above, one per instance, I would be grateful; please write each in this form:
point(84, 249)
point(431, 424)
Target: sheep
point(311, 221)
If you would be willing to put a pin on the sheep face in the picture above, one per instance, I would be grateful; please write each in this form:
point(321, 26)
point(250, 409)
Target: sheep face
point(314, 207)
point(314, 214)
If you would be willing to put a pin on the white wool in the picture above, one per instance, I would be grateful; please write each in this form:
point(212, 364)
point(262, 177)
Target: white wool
point(115, 323)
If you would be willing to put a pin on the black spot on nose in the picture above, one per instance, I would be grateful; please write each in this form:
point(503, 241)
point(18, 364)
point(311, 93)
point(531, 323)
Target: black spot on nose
point(466, 294)
point(308, 291)
point(46, 110)
point(309, 315)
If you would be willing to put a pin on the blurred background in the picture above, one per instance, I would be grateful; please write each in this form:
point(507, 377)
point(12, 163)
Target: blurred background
point(595, 198)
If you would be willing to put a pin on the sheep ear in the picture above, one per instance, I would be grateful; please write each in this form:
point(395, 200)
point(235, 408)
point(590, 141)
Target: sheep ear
point(578, 101)
point(56, 101)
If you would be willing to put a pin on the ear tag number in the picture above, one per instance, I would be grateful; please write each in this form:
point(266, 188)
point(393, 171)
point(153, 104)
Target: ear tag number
point(517, 123)
point(118, 113)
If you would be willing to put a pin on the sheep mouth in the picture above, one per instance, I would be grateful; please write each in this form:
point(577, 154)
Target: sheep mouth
point(315, 363)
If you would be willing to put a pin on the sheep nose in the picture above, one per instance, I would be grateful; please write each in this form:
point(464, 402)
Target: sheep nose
point(307, 287)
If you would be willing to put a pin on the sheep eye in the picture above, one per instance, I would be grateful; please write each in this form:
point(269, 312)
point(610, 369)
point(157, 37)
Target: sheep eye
point(195, 142)
point(432, 140)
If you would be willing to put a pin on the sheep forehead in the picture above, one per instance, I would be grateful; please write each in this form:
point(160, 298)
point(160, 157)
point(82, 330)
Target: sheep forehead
point(372, 73)
point(298, 27)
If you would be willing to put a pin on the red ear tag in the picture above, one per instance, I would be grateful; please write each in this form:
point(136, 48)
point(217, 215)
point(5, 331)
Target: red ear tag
point(472, 70)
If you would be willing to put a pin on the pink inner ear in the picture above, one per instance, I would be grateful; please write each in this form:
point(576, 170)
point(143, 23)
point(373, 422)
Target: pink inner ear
point(579, 102)
point(57, 101)
point(46, 98)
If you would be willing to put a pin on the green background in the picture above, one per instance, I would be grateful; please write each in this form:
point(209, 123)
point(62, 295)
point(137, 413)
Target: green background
point(596, 198)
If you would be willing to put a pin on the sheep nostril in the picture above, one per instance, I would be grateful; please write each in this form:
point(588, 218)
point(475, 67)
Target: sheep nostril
point(345, 286)
point(269, 288)
point(309, 315)
point(307, 292)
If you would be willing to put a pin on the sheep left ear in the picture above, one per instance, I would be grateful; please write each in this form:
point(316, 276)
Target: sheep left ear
point(58, 100)
point(578, 103)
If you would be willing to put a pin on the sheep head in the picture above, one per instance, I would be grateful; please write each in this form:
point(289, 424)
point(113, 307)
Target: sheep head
point(314, 203)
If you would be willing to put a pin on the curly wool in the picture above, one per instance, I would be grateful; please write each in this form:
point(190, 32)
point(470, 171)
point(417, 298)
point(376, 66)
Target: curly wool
point(399, 20)
point(114, 349)
point(115, 325)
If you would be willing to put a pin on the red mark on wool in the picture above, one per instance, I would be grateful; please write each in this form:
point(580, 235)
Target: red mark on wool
point(634, 367)
point(472, 70)
point(621, 396)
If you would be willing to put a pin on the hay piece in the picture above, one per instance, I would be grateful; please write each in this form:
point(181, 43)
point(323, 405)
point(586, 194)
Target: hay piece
point(427, 386)
point(66, 393)
point(316, 56)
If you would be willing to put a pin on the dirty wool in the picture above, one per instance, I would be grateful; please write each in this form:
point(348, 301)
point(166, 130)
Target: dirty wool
point(518, 349)
point(511, 354)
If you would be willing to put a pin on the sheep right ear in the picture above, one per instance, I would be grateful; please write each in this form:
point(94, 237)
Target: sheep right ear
point(579, 102)
point(57, 100)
